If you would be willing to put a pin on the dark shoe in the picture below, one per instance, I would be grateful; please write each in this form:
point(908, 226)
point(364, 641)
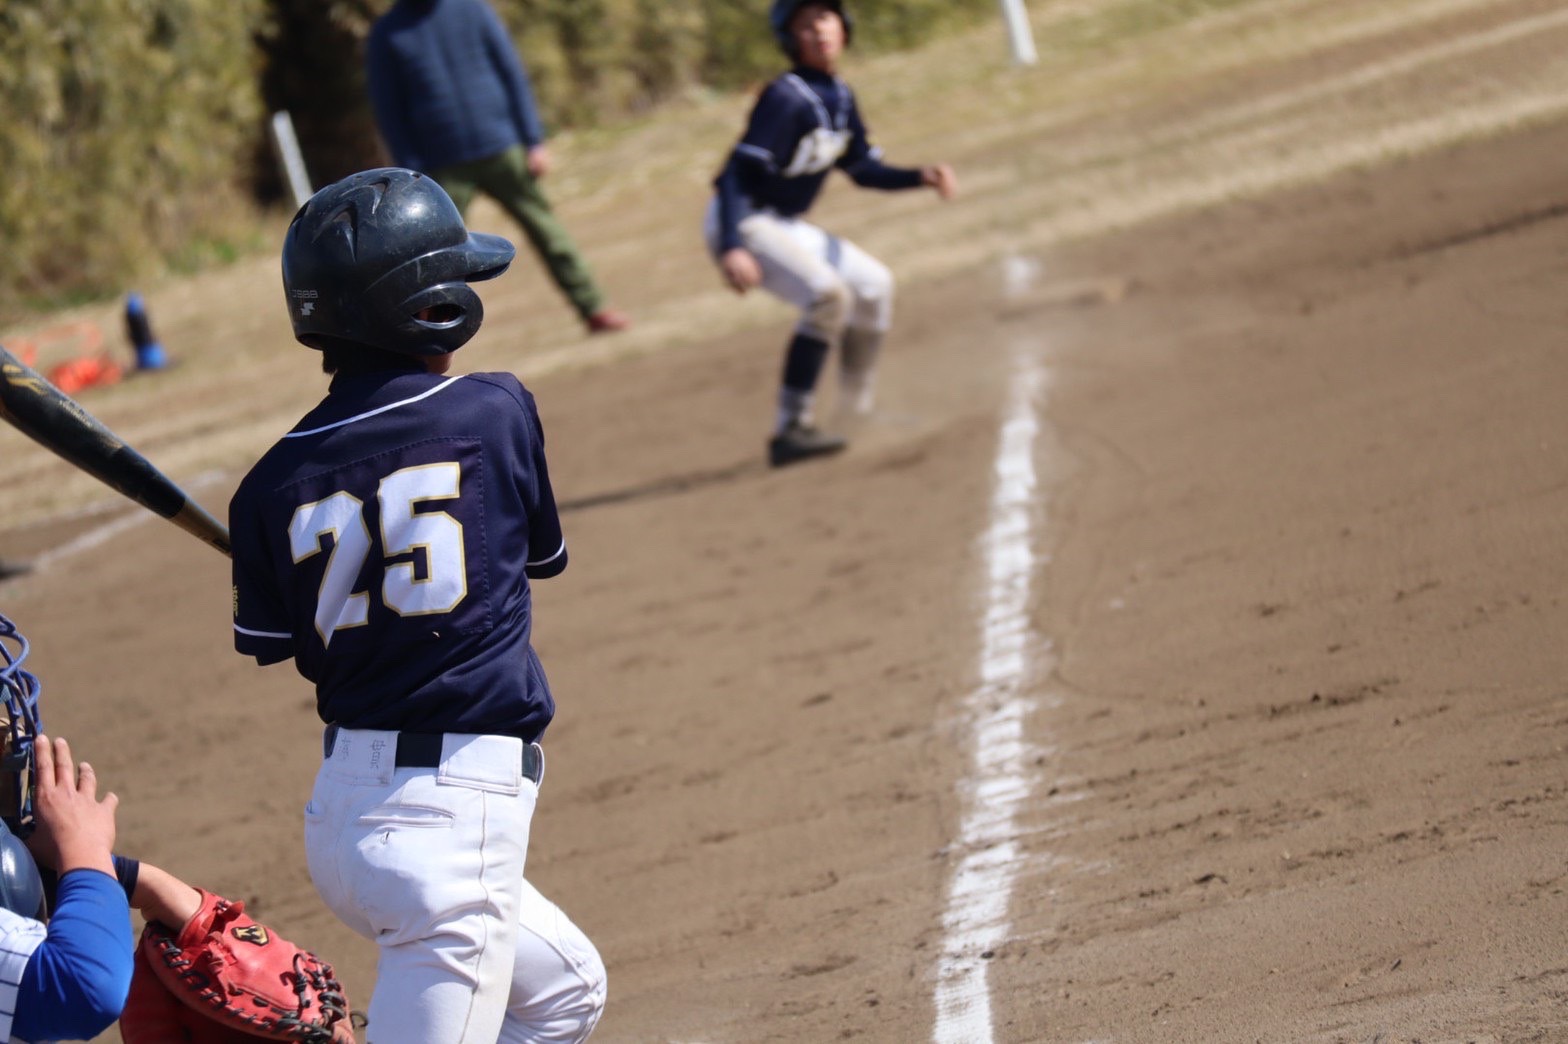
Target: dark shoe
point(607, 320)
point(798, 442)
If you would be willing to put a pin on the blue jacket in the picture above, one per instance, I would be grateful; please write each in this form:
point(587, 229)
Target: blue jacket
point(447, 85)
point(75, 973)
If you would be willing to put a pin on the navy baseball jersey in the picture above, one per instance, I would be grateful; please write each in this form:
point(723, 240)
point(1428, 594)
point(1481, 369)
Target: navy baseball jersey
point(386, 544)
point(804, 125)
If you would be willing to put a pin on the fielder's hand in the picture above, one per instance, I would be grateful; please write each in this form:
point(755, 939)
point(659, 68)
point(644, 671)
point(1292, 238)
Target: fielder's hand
point(740, 269)
point(941, 178)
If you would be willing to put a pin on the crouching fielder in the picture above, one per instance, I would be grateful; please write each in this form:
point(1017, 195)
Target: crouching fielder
point(804, 124)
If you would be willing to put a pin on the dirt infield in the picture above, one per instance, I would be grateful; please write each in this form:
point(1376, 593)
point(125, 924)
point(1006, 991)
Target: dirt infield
point(1291, 675)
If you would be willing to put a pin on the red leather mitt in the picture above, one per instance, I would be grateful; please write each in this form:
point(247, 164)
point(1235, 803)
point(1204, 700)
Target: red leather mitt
point(243, 979)
point(153, 1015)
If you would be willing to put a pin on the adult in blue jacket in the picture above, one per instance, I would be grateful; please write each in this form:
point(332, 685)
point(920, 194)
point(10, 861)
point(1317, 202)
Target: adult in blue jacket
point(452, 100)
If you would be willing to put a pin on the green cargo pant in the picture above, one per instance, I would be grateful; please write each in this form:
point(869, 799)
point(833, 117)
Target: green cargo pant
point(505, 178)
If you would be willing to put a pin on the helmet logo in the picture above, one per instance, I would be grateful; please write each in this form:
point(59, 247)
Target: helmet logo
point(306, 307)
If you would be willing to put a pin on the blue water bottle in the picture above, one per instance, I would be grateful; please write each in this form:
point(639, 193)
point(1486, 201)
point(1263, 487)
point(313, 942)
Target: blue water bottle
point(149, 353)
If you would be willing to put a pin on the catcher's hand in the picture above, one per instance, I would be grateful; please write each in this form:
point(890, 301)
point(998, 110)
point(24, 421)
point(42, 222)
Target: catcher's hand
point(239, 974)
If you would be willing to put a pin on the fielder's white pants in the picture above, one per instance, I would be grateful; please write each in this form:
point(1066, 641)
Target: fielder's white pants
point(428, 863)
point(835, 284)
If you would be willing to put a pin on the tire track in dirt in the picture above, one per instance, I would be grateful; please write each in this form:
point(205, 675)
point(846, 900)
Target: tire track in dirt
point(1182, 142)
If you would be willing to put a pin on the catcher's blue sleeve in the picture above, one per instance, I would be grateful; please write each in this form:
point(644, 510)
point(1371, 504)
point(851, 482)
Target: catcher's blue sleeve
point(77, 979)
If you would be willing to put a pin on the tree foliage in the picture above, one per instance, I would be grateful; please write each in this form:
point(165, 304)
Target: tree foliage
point(124, 123)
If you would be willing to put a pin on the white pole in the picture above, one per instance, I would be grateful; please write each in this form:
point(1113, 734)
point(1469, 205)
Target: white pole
point(1019, 34)
point(293, 161)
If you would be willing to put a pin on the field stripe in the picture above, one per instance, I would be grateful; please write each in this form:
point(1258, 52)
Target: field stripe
point(1001, 773)
point(107, 531)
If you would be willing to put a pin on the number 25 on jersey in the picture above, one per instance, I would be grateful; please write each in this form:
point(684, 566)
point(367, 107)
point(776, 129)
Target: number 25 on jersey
point(408, 540)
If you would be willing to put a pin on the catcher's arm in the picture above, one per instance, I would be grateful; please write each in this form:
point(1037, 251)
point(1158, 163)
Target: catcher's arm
point(160, 896)
point(77, 978)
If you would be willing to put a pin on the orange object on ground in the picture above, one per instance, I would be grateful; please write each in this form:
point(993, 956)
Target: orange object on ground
point(84, 372)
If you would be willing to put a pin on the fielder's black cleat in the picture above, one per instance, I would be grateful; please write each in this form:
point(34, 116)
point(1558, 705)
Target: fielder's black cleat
point(799, 442)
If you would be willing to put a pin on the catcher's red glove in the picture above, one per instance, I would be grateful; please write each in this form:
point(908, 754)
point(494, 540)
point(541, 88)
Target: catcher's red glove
point(247, 982)
point(153, 1015)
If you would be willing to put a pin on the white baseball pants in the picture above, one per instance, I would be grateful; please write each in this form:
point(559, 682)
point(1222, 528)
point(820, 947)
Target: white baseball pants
point(428, 864)
point(834, 283)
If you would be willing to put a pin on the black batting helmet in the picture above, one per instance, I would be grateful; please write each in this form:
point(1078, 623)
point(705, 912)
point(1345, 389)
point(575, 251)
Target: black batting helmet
point(366, 254)
point(784, 10)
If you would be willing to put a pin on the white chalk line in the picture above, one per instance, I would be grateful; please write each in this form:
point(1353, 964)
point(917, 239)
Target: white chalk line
point(1002, 773)
point(100, 535)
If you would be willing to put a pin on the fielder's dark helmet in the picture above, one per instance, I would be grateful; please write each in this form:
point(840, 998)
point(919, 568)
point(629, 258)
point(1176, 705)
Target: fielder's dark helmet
point(784, 10)
point(367, 253)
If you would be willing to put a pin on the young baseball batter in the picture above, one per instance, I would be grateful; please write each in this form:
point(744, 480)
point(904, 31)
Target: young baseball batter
point(805, 124)
point(386, 544)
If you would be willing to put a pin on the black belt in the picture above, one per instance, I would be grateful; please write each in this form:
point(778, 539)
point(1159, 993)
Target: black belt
point(423, 750)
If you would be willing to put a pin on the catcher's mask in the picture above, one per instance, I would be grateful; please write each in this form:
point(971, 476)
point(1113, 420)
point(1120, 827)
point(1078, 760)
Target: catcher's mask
point(783, 12)
point(21, 888)
point(382, 258)
point(18, 731)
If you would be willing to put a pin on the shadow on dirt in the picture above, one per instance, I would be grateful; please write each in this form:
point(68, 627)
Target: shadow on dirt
point(670, 485)
point(1495, 228)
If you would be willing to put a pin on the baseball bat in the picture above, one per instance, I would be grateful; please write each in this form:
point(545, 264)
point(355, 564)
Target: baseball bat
point(58, 423)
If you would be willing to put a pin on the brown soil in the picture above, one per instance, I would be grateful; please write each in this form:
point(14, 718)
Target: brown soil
point(1300, 708)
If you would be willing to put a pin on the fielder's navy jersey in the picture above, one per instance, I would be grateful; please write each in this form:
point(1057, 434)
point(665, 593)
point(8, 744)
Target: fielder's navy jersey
point(386, 544)
point(804, 124)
